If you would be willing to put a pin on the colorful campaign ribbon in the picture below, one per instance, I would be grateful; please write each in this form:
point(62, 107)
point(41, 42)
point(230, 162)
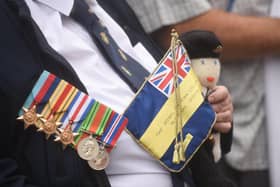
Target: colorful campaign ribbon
point(114, 127)
point(95, 121)
point(58, 101)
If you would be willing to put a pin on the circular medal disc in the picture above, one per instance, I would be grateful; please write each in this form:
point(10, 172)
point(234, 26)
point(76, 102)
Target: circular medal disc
point(101, 161)
point(88, 148)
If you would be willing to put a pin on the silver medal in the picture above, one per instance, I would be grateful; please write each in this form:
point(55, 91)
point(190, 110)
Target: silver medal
point(88, 148)
point(101, 161)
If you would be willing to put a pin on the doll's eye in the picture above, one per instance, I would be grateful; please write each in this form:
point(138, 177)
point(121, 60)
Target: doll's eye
point(202, 61)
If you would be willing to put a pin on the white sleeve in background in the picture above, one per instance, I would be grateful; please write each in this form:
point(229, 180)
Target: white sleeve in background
point(153, 14)
point(272, 79)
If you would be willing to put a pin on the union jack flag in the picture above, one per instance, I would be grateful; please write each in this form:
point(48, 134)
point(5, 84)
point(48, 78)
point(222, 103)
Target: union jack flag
point(162, 79)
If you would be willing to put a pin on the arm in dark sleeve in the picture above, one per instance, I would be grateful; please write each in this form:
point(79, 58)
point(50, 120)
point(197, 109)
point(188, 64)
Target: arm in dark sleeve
point(9, 174)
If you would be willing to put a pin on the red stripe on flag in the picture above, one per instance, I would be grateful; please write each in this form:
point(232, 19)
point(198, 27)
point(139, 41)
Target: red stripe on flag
point(157, 77)
point(169, 75)
point(166, 80)
point(180, 63)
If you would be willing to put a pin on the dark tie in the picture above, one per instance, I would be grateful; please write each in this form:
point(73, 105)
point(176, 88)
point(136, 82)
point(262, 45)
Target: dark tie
point(126, 67)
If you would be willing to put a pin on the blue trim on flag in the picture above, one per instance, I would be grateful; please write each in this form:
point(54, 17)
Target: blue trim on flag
point(146, 106)
point(147, 103)
point(198, 126)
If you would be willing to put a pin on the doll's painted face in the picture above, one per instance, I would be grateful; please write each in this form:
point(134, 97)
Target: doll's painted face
point(207, 71)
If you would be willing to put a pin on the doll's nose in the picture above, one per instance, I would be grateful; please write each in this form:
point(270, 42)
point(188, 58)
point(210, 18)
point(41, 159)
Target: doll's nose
point(210, 79)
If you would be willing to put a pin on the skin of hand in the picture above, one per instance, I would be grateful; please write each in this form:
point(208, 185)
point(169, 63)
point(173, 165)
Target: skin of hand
point(241, 36)
point(221, 101)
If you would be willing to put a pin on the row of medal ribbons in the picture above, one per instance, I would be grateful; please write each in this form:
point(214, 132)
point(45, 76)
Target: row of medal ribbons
point(60, 110)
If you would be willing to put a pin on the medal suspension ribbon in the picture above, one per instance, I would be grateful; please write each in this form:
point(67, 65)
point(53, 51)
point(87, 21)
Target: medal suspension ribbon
point(95, 121)
point(114, 128)
point(78, 115)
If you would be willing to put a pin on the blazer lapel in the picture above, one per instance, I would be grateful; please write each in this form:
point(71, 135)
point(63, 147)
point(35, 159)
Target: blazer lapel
point(49, 59)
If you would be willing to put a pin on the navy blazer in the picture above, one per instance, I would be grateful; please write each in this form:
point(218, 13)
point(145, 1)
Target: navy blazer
point(26, 157)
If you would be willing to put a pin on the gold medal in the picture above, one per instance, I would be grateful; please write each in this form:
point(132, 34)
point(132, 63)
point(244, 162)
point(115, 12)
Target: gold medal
point(49, 126)
point(30, 117)
point(101, 161)
point(66, 136)
point(88, 148)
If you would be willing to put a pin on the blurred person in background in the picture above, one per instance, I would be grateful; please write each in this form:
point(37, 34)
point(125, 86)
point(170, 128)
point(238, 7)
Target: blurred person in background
point(248, 35)
point(52, 35)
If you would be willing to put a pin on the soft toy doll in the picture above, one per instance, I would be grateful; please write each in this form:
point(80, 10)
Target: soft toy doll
point(207, 70)
point(204, 50)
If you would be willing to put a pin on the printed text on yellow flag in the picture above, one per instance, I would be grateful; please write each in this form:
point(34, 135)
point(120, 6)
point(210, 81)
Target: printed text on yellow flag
point(162, 130)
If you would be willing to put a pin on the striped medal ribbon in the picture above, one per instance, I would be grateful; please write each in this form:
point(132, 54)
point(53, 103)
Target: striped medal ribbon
point(114, 128)
point(60, 103)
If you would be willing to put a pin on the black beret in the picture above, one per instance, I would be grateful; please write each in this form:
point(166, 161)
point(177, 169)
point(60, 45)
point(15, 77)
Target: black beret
point(201, 44)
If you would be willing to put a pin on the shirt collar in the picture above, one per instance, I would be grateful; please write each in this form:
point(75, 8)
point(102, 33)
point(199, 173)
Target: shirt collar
point(62, 6)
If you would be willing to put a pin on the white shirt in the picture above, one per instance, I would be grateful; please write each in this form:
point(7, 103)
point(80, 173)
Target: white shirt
point(130, 165)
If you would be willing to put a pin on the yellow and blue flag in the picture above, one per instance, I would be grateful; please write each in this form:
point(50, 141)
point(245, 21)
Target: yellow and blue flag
point(153, 119)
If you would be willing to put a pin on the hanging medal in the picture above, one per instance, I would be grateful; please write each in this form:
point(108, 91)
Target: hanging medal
point(57, 108)
point(88, 148)
point(49, 126)
point(30, 117)
point(94, 124)
point(101, 161)
point(72, 119)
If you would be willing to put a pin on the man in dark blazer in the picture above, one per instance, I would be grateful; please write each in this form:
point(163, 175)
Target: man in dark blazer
point(26, 157)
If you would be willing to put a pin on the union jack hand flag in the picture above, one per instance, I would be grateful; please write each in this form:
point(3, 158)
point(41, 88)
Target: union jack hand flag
point(162, 79)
